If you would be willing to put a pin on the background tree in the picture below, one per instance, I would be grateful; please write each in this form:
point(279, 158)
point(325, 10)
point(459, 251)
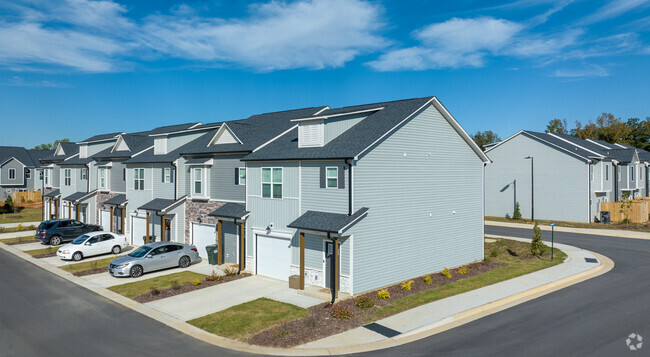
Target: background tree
point(536, 245)
point(557, 126)
point(517, 213)
point(482, 138)
point(51, 146)
point(9, 206)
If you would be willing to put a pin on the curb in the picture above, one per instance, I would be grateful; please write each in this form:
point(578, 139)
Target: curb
point(601, 232)
point(407, 337)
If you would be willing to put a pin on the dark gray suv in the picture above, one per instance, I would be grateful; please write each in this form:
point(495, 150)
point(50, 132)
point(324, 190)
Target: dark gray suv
point(56, 231)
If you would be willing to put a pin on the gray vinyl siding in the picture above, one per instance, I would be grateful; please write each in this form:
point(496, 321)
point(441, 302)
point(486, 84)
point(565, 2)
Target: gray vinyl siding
point(55, 176)
point(118, 184)
point(423, 187)
point(177, 140)
point(137, 198)
point(230, 236)
point(222, 179)
point(182, 177)
point(314, 197)
point(602, 186)
point(30, 182)
point(161, 189)
point(19, 179)
point(345, 256)
point(92, 176)
point(336, 127)
point(94, 148)
point(74, 180)
point(178, 223)
point(561, 181)
point(314, 252)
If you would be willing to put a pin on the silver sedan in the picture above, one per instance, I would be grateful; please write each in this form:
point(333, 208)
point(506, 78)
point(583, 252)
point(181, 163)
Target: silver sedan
point(152, 257)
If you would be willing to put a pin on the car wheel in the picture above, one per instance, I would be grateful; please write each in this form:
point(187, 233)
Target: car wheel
point(55, 240)
point(184, 262)
point(77, 256)
point(116, 249)
point(136, 271)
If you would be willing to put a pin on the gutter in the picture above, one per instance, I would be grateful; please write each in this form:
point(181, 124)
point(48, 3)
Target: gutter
point(349, 163)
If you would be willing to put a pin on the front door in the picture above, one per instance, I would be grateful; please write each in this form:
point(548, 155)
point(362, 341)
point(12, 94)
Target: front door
point(168, 229)
point(327, 264)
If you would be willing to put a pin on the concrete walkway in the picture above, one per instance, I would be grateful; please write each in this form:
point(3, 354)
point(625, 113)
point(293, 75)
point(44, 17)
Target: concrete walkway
point(602, 232)
point(444, 311)
point(17, 234)
point(13, 225)
point(206, 301)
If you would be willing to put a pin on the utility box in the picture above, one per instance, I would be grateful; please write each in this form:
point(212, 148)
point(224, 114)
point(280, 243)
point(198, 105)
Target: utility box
point(605, 217)
point(294, 282)
point(213, 251)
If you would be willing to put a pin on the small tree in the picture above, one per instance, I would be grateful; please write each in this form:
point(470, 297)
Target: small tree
point(517, 213)
point(537, 246)
point(626, 206)
point(9, 205)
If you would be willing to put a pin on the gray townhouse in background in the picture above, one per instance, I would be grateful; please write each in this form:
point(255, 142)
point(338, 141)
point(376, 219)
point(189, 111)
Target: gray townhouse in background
point(570, 176)
point(20, 169)
point(51, 178)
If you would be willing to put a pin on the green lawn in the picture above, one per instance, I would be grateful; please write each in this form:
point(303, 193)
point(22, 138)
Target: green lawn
point(514, 267)
point(91, 265)
point(26, 239)
point(22, 215)
point(140, 287)
point(245, 320)
point(47, 250)
point(638, 227)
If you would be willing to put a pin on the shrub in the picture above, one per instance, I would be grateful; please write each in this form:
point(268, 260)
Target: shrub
point(383, 294)
point(213, 277)
point(427, 280)
point(407, 285)
point(463, 270)
point(446, 273)
point(364, 302)
point(494, 253)
point(9, 205)
point(230, 271)
point(341, 312)
point(20, 227)
point(311, 322)
point(196, 282)
point(537, 246)
point(517, 213)
point(175, 284)
point(154, 290)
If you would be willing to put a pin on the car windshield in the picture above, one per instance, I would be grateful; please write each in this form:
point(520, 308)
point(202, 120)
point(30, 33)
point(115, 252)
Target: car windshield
point(140, 252)
point(80, 239)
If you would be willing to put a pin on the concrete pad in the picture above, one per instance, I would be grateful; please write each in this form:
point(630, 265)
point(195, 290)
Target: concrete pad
point(17, 234)
point(347, 338)
point(29, 246)
point(291, 296)
point(14, 225)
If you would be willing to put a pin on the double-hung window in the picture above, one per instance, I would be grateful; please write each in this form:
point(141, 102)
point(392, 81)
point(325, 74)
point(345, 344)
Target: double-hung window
point(67, 177)
point(28, 173)
point(242, 176)
point(84, 173)
point(606, 172)
point(272, 182)
point(332, 177)
point(167, 175)
point(12, 174)
point(102, 178)
point(632, 173)
point(197, 181)
point(47, 176)
point(138, 179)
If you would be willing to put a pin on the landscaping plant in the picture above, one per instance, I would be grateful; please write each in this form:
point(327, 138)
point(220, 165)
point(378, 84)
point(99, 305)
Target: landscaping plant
point(196, 282)
point(407, 285)
point(383, 294)
point(446, 273)
point(213, 277)
point(427, 280)
point(154, 290)
point(175, 284)
point(230, 271)
point(462, 270)
point(9, 205)
point(626, 206)
point(537, 246)
point(341, 312)
point(364, 302)
point(517, 213)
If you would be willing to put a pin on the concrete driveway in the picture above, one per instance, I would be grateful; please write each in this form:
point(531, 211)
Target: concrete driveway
point(206, 301)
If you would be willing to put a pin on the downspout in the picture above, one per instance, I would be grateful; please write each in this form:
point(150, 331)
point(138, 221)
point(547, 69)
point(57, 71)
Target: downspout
point(349, 162)
point(88, 178)
point(589, 182)
point(175, 180)
point(615, 166)
point(333, 271)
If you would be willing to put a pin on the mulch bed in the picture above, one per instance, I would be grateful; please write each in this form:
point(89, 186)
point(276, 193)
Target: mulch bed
point(320, 323)
point(23, 242)
point(41, 256)
point(165, 293)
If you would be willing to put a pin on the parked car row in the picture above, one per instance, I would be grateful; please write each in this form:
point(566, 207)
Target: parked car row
point(90, 240)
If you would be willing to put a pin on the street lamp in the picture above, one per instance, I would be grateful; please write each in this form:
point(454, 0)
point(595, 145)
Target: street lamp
point(532, 189)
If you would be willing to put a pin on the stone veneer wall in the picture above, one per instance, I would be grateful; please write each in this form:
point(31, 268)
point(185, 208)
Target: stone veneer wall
point(195, 209)
point(101, 198)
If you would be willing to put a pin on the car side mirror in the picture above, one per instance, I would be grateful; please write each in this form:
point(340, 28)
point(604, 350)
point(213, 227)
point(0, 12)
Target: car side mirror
point(149, 256)
point(87, 243)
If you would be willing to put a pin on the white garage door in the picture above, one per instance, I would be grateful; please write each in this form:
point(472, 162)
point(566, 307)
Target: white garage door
point(105, 217)
point(273, 257)
point(139, 230)
point(202, 236)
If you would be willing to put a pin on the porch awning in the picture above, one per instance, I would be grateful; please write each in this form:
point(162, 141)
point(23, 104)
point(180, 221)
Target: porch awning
point(231, 210)
point(327, 222)
point(75, 196)
point(117, 200)
point(161, 204)
point(199, 161)
point(54, 193)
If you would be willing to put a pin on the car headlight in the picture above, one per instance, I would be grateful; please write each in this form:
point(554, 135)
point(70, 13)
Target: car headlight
point(64, 251)
point(123, 265)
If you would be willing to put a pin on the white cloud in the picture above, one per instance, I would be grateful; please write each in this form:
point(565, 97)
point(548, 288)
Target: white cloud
point(17, 81)
point(582, 72)
point(452, 44)
point(544, 45)
point(614, 9)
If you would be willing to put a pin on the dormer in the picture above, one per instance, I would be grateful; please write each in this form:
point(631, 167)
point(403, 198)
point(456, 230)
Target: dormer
point(59, 150)
point(120, 145)
point(224, 135)
point(319, 130)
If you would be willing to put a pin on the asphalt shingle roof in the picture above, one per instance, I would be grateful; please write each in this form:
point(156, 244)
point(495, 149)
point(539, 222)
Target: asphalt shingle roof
point(102, 137)
point(327, 222)
point(75, 196)
point(29, 158)
point(351, 142)
point(135, 142)
point(157, 204)
point(231, 210)
point(53, 193)
point(120, 199)
point(561, 143)
point(75, 161)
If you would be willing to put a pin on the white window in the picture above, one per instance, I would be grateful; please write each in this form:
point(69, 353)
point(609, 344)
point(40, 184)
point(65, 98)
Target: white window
point(619, 172)
point(640, 173)
point(47, 176)
point(591, 173)
point(67, 177)
point(197, 181)
point(631, 173)
point(28, 173)
point(606, 172)
point(102, 178)
point(84, 173)
point(167, 177)
point(138, 179)
point(242, 176)
point(40, 174)
point(272, 182)
point(311, 134)
point(12, 174)
point(332, 177)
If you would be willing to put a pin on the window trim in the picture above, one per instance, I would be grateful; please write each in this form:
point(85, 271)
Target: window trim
point(327, 177)
point(67, 177)
point(273, 184)
point(138, 182)
point(11, 172)
point(28, 174)
point(240, 183)
point(84, 173)
point(102, 172)
point(607, 173)
point(201, 180)
point(630, 172)
point(167, 175)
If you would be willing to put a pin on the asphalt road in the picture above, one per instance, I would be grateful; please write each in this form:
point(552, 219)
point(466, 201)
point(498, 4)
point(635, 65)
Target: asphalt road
point(44, 315)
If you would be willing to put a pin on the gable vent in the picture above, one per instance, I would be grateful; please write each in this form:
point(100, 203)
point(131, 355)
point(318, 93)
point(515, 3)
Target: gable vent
point(311, 134)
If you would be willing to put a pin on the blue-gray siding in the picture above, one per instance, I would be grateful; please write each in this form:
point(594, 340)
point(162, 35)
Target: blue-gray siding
point(222, 179)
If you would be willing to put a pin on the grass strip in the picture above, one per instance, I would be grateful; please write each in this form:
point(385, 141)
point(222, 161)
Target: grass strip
point(140, 287)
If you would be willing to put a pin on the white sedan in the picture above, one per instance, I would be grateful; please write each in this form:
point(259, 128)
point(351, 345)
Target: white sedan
point(93, 243)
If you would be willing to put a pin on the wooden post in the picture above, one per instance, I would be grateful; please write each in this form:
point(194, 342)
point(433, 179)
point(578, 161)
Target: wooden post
point(219, 244)
point(147, 240)
point(110, 228)
point(302, 260)
point(242, 257)
point(57, 209)
point(162, 227)
point(78, 212)
point(336, 267)
point(123, 209)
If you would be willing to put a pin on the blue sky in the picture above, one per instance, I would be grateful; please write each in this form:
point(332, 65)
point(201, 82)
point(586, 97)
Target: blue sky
point(77, 68)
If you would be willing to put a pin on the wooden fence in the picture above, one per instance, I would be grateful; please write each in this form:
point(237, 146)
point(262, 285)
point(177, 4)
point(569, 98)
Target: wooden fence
point(20, 197)
point(638, 212)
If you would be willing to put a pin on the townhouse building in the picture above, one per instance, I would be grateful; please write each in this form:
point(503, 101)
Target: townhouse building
point(20, 169)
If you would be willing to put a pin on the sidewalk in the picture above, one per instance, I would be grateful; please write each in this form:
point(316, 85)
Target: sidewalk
point(13, 225)
point(602, 232)
point(17, 234)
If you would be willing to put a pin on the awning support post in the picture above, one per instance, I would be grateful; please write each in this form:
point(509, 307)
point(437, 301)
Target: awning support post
point(219, 243)
point(302, 260)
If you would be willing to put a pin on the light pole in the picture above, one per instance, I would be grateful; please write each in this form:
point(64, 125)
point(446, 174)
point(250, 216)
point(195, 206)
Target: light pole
point(532, 189)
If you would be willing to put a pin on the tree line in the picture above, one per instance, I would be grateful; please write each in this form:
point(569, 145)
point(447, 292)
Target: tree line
point(634, 131)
